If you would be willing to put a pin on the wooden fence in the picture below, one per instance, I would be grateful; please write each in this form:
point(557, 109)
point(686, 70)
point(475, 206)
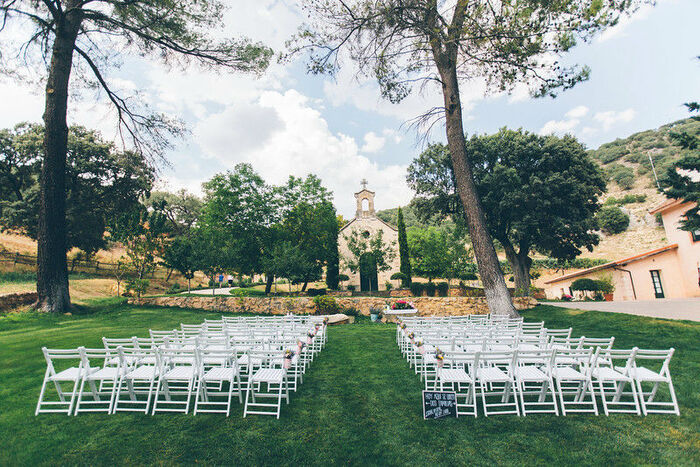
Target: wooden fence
point(76, 265)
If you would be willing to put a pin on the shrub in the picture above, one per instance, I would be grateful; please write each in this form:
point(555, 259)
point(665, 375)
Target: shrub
point(351, 311)
point(585, 284)
point(388, 285)
point(17, 276)
point(326, 305)
point(612, 220)
point(417, 289)
point(137, 286)
point(622, 175)
point(442, 288)
point(468, 276)
point(605, 284)
point(430, 289)
point(311, 292)
point(175, 288)
point(627, 199)
point(399, 276)
point(343, 277)
point(351, 288)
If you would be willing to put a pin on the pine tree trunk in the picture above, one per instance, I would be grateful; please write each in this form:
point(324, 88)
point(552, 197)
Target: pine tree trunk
point(520, 264)
point(52, 270)
point(269, 279)
point(497, 295)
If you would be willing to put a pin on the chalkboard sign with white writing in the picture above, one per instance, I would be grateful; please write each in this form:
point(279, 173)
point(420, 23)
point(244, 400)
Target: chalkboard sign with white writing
point(439, 404)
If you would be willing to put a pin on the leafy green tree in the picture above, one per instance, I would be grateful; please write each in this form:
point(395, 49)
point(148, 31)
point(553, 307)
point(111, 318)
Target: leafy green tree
point(92, 36)
point(309, 220)
point(539, 193)
point(144, 236)
point(180, 254)
point(404, 254)
point(359, 245)
point(182, 209)
point(403, 43)
point(101, 184)
point(333, 266)
point(239, 210)
point(429, 252)
point(290, 262)
point(683, 178)
point(612, 220)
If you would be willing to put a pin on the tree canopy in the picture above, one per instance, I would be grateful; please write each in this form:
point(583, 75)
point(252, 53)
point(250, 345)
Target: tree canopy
point(101, 183)
point(539, 193)
point(683, 178)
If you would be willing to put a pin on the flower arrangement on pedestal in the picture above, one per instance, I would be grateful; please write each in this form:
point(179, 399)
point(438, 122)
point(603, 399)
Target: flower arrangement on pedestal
point(288, 356)
point(402, 305)
point(440, 357)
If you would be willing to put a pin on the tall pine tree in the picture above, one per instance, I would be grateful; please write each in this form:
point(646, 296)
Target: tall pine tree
point(403, 250)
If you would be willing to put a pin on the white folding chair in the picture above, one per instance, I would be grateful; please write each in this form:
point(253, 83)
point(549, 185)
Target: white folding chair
point(270, 373)
point(138, 380)
point(495, 378)
point(642, 375)
point(454, 374)
point(216, 367)
point(572, 376)
point(533, 376)
point(611, 381)
point(71, 375)
point(177, 372)
point(106, 375)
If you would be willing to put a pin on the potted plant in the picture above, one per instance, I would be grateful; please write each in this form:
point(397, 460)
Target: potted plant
point(375, 314)
point(606, 286)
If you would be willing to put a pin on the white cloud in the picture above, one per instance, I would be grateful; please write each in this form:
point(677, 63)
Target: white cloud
point(619, 29)
point(611, 117)
point(577, 112)
point(559, 127)
point(373, 142)
point(19, 104)
point(301, 145)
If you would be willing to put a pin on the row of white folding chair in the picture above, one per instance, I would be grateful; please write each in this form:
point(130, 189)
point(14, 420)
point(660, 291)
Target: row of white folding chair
point(619, 380)
point(168, 384)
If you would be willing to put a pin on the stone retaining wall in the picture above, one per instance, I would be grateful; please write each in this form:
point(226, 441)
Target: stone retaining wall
point(441, 306)
point(14, 300)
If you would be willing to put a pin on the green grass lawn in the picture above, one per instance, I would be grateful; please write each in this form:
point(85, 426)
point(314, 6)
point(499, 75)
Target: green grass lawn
point(359, 404)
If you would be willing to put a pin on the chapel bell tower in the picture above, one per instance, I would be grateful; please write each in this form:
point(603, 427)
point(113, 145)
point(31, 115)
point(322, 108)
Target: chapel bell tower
point(365, 202)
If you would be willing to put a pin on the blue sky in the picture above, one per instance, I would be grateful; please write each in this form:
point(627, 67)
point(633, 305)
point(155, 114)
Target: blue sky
point(287, 122)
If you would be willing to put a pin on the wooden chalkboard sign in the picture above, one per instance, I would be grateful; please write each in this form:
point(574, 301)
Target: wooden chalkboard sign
point(439, 404)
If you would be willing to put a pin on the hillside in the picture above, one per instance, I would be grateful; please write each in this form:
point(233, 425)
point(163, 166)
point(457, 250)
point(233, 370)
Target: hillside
point(628, 161)
point(631, 186)
point(627, 164)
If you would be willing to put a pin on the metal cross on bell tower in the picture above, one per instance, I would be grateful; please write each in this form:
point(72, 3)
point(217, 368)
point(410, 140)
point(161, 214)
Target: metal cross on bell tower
point(366, 196)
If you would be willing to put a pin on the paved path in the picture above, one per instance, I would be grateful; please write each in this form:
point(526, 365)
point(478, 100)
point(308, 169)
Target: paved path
point(685, 308)
point(217, 291)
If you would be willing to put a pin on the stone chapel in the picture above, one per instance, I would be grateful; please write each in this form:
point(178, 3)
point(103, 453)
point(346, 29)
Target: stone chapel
point(367, 224)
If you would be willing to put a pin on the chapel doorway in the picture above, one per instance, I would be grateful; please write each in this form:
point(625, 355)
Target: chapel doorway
point(368, 273)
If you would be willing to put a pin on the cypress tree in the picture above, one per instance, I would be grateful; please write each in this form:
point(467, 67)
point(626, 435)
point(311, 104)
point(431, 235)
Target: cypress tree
point(333, 264)
point(403, 250)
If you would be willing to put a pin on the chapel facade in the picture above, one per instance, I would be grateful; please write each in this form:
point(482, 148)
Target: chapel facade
point(367, 224)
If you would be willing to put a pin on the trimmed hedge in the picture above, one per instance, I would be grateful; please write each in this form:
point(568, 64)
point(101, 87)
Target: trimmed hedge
point(417, 289)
